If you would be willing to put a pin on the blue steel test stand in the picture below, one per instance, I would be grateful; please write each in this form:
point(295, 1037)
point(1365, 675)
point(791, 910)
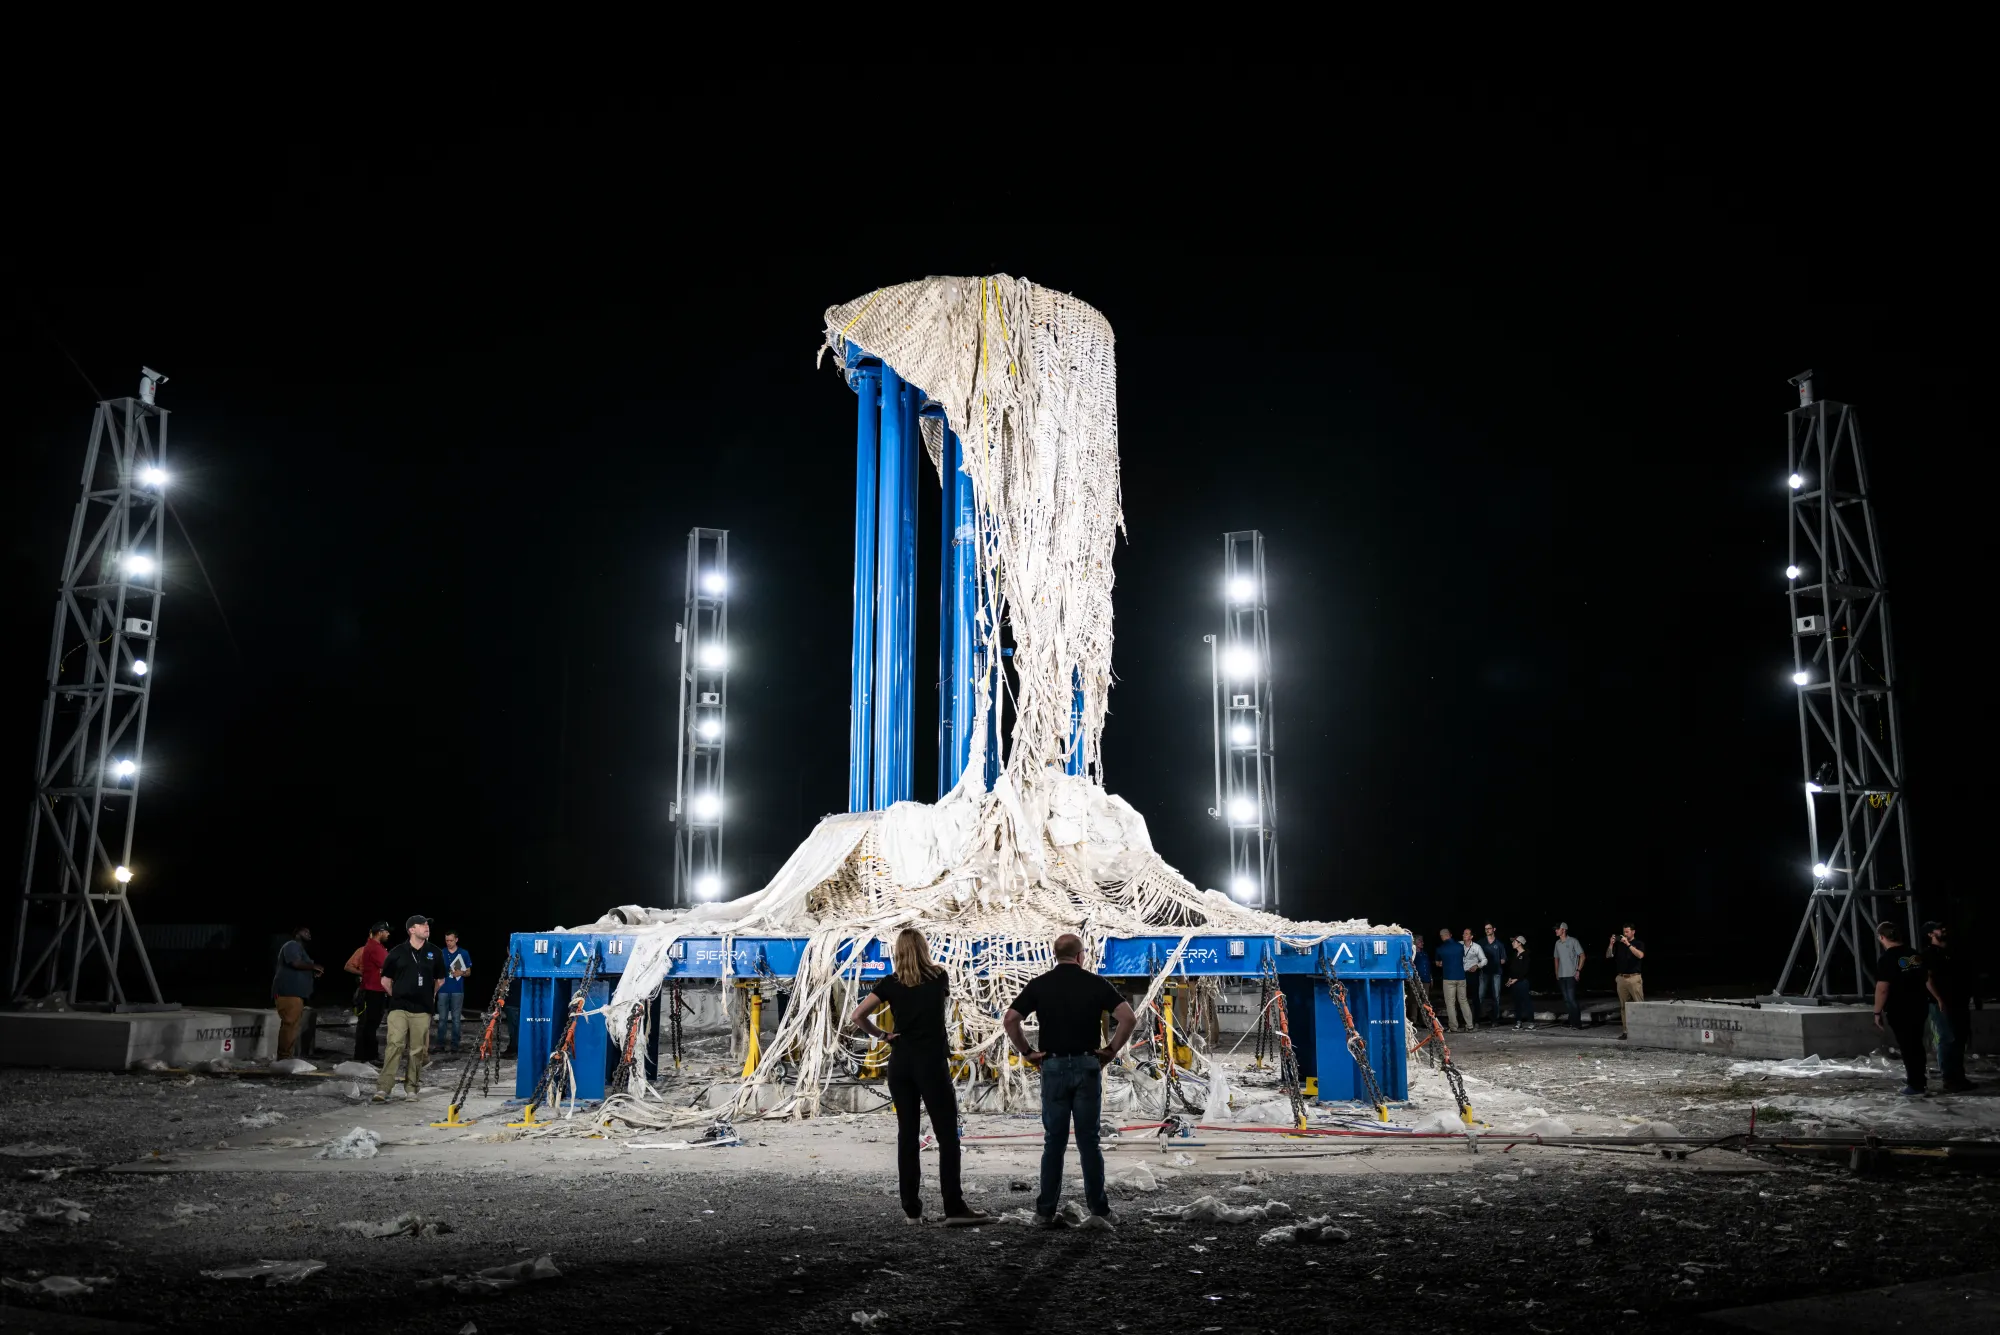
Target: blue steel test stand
point(550, 965)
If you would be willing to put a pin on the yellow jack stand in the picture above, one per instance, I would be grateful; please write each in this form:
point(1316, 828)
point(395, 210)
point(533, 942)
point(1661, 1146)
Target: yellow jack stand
point(451, 1118)
point(1311, 1087)
point(527, 1118)
point(1467, 1117)
point(751, 1051)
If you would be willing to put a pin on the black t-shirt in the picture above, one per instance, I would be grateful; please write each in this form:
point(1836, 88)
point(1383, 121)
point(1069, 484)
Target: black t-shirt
point(1622, 958)
point(410, 975)
point(1902, 968)
point(1071, 1001)
point(1949, 975)
point(917, 1012)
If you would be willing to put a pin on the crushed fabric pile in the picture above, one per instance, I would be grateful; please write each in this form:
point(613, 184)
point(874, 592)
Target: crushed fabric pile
point(1027, 381)
point(1215, 1210)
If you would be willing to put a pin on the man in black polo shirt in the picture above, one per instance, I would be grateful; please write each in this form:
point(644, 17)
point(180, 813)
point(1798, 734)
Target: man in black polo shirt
point(1071, 1002)
point(1904, 991)
point(410, 975)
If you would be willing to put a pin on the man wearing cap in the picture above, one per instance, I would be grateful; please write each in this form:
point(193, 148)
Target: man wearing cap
point(366, 964)
point(1569, 973)
point(412, 973)
point(1951, 1008)
point(1626, 951)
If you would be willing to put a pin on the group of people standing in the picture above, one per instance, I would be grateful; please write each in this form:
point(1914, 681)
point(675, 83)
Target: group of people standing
point(1477, 972)
point(406, 990)
point(1924, 988)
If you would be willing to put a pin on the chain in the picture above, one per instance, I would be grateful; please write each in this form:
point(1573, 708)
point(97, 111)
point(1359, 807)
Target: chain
point(1281, 1045)
point(559, 1054)
point(1265, 1037)
point(621, 1079)
point(1442, 1057)
point(1356, 1046)
point(678, 1004)
point(486, 1053)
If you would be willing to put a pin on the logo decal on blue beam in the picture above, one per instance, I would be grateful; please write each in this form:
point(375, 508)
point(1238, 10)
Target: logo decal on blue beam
point(581, 950)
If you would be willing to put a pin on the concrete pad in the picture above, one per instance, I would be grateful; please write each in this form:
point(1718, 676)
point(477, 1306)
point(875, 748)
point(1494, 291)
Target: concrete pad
point(98, 1041)
point(1774, 1031)
point(1964, 1303)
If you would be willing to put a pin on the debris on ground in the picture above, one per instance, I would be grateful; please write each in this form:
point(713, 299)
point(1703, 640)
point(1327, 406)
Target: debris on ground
point(1136, 1178)
point(294, 1066)
point(1438, 1121)
point(152, 1064)
point(497, 1279)
point(1215, 1210)
point(188, 1209)
point(360, 1143)
point(59, 1286)
point(868, 1320)
point(408, 1225)
point(272, 1273)
point(257, 1121)
point(28, 1149)
point(359, 1070)
point(1319, 1228)
point(60, 1212)
point(11, 1221)
point(1254, 1177)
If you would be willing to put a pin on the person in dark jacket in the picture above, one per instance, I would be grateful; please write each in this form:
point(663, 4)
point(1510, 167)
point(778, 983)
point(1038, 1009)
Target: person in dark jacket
point(1492, 976)
point(1951, 1008)
point(292, 987)
point(1904, 991)
point(920, 1074)
point(1517, 983)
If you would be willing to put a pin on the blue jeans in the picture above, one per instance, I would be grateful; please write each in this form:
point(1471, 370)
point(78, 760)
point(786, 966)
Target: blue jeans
point(1072, 1088)
point(1568, 986)
point(451, 1010)
point(1949, 1030)
point(1489, 993)
point(1524, 1005)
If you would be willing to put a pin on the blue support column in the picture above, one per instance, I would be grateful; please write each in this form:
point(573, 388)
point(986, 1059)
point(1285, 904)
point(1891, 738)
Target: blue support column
point(1075, 763)
point(535, 1036)
point(948, 737)
point(895, 594)
point(958, 630)
point(866, 379)
point(588, 1056)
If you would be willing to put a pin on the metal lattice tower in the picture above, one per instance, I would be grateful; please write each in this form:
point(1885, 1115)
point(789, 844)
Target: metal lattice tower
point(1246, 791)
point(699, 797)
point(77, 864)
point(1850, 733)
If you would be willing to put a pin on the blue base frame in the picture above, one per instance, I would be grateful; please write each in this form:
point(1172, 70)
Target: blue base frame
point(550, 965)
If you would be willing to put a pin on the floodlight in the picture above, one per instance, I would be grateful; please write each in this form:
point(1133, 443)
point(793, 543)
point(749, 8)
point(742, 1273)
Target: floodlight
point(1243, 888)
point(1239, 661)
point(708, 887)
point(712, 655)
point(138, 667)
point(707, 806)
point(1792, 572)
point(153, 477)
point(1814, 788)
point(1242, 589)
point(709, 728)
point(124, 769)
point(1795, 482)
point(1820, 870)
point(1242, 810)
point(1242, 735)
point(138, 563)
point(1801, 678)
point(121, 874)
point(713, 582)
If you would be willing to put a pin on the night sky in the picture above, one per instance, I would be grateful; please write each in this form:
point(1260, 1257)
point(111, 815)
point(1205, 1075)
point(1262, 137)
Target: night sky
point(1501, 381)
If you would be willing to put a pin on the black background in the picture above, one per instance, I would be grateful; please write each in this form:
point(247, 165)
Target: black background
point(1501, 378)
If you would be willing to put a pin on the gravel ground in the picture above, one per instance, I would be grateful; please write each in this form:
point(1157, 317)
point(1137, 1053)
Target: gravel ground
point(1588, 1239)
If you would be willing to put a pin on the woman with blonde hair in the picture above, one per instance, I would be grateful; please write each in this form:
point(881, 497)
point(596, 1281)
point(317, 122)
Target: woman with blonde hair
point(919, 1073)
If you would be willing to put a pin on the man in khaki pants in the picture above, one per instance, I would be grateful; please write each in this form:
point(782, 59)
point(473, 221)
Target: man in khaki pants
point(291, 987)
point(410, 975)
point(1625, 952)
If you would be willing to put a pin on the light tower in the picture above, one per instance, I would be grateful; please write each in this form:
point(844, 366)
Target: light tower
point(78, 865)
point(700, 799)
point(1246, 794)
point(1850, 731)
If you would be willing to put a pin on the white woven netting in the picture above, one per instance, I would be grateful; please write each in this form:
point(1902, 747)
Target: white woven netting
point(1028, 381)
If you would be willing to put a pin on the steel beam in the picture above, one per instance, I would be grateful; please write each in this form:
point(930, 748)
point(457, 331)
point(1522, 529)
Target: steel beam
point(866, 379)
point(895, 594)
